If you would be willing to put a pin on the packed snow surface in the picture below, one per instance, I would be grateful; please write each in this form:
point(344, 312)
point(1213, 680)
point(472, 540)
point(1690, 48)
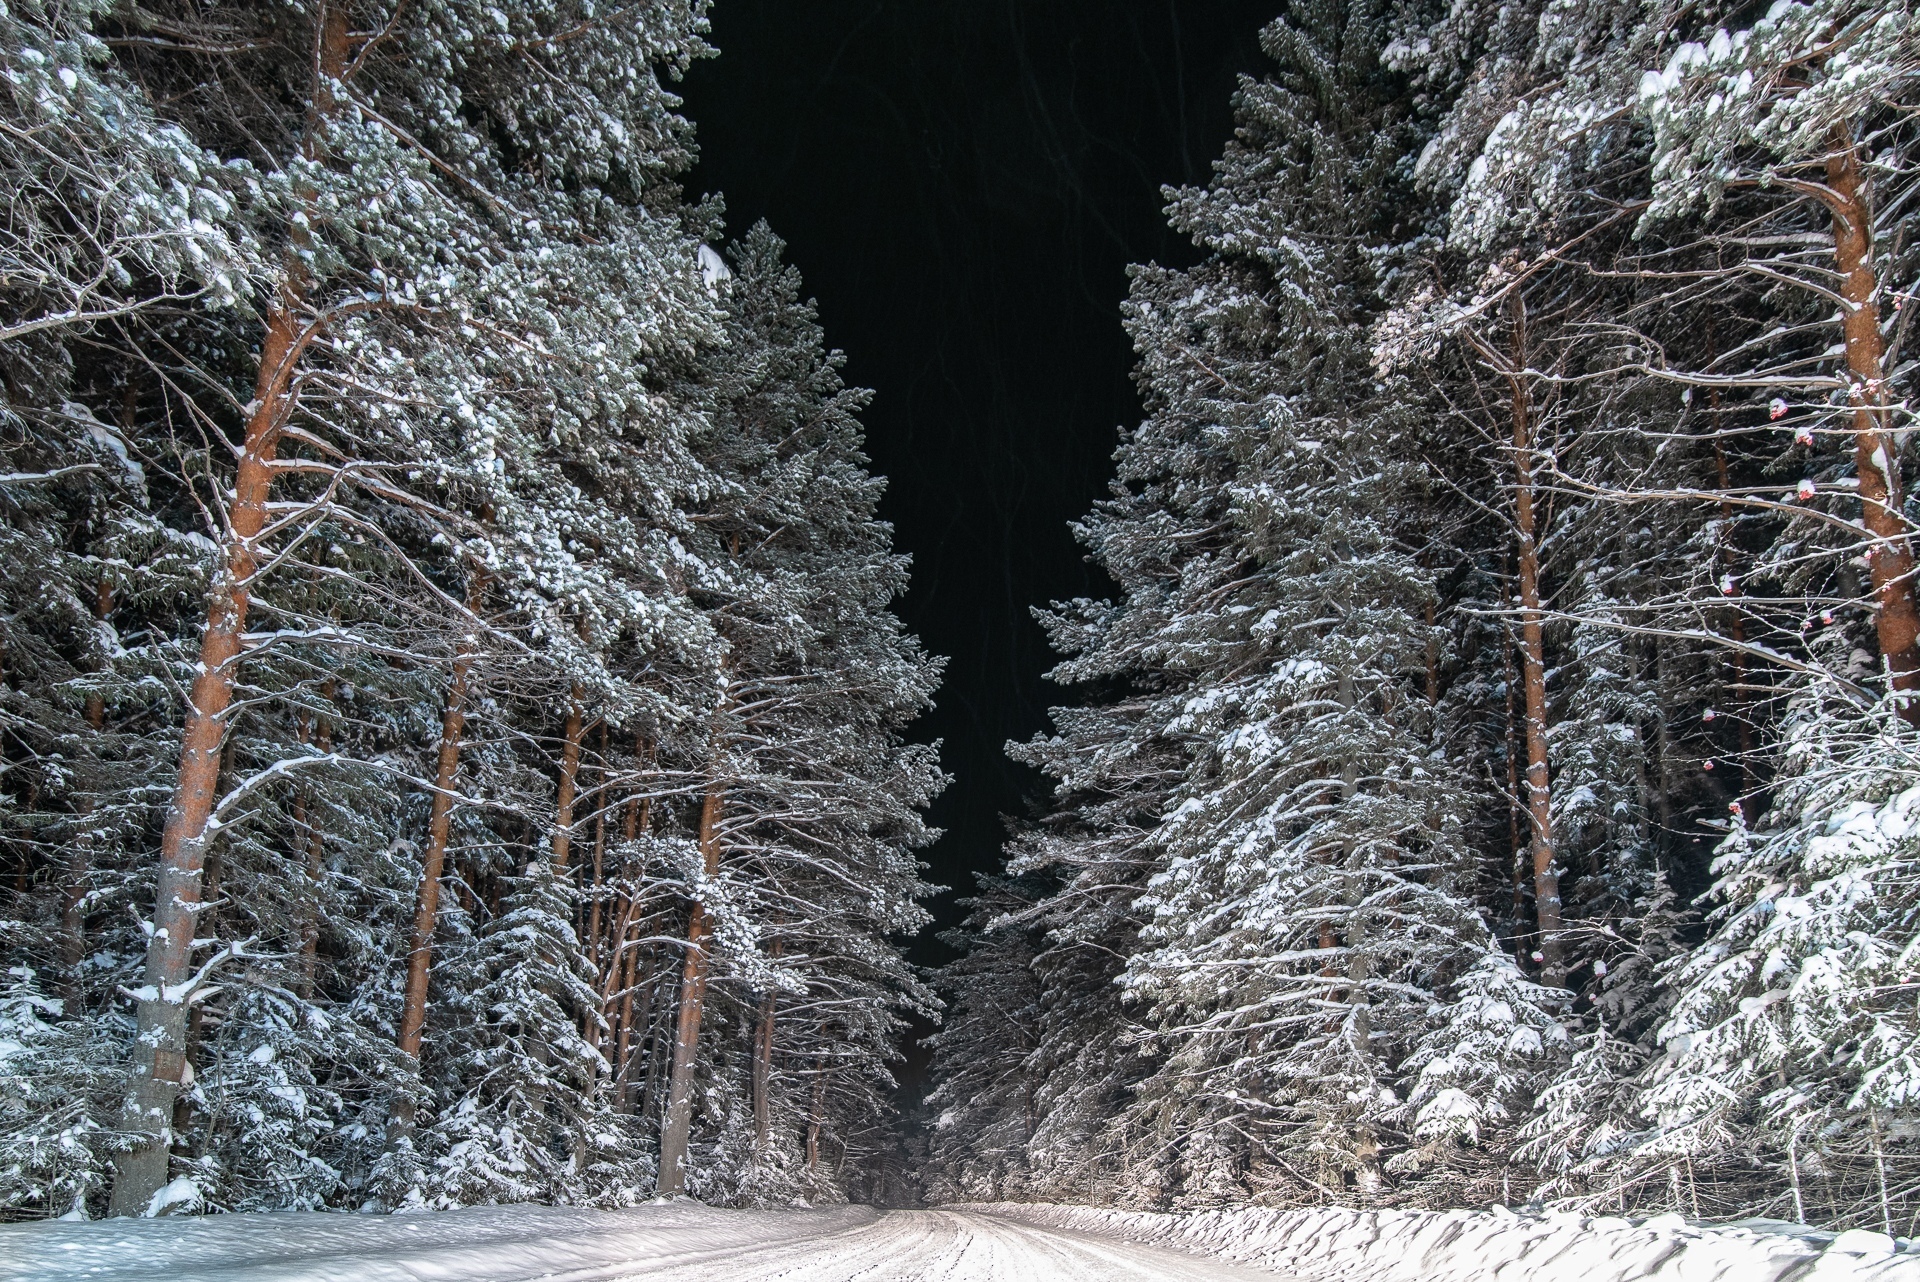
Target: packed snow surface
point(1322, 1245)
point(682, 1240)
point(990, 1243)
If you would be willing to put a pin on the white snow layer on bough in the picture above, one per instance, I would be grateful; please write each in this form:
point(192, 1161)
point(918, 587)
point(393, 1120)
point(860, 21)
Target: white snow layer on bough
point(1332, 1244)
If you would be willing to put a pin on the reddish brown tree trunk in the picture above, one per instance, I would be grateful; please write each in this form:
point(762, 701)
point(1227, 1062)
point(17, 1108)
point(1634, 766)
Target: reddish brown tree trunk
point(610, 977)
point(426, 912)
point(160, 1065)
point(633, 821)
point(763, 1074)
point(1875, 453)
point(569, 773)
point(1533, 668)
point(638, 815)
point(160, 1062)
point(623, 1076)
point(678, 1127)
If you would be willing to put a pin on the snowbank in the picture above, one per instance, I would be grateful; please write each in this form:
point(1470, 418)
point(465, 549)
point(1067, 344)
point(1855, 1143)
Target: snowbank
point(1337, 1245)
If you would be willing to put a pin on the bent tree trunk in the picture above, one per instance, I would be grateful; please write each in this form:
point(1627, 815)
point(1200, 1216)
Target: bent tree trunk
point(453, 723)
point(160, 1046)
point(1533, 668)
point(1890, 558)
point(693, 991)
point(160, 1039)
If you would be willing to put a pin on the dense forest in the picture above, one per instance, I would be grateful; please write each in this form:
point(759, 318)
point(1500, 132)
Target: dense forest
point(454, 730)
point(1493, 776)
point(452, 721)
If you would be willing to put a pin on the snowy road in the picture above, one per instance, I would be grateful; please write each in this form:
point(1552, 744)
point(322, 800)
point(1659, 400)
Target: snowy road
point(951, 1247)
point(686, 1242)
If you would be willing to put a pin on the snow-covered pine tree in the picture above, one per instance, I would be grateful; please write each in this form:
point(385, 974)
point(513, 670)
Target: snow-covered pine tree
point(1116, 763)
point(1766, 189)
point(816, 816)
point(1313, 900)
point(1535, 184)
point(409, 246)
point(984, 1101)
point(115, 218)
point(1788, 1067)
point(1298, 857)
point(1785, 191)
point(439, 580)
point(333, 689)
point(1089, 858)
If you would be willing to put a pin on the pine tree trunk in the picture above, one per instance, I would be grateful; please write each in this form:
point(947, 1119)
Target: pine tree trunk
point(426, 913)
point(73, 925)
point(599, 856)
point(623, 1062)
point(614, 965)
point(636, 820)
point(763, 1074)
point(1516, 847)
point(160, 1049)
point(693, 990)
point(304, 824)
point(639, 809)
point(1533, 669)
point(817, 1115)
point(569, 775)
point(763, 1067)
point(1890, 560)
point(611, 978)
point(160, 1040)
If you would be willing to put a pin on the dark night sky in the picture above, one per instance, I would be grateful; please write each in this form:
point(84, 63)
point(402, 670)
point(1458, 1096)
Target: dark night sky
point(962, 183)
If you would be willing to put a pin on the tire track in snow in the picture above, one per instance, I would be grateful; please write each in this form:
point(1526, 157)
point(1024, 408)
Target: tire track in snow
point(683, 1241)
point(949, 1246)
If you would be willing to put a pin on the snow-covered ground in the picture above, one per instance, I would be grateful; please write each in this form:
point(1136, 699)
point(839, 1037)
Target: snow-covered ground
point(685, 1241)
point(992, 1243)
point(1332, 1244)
